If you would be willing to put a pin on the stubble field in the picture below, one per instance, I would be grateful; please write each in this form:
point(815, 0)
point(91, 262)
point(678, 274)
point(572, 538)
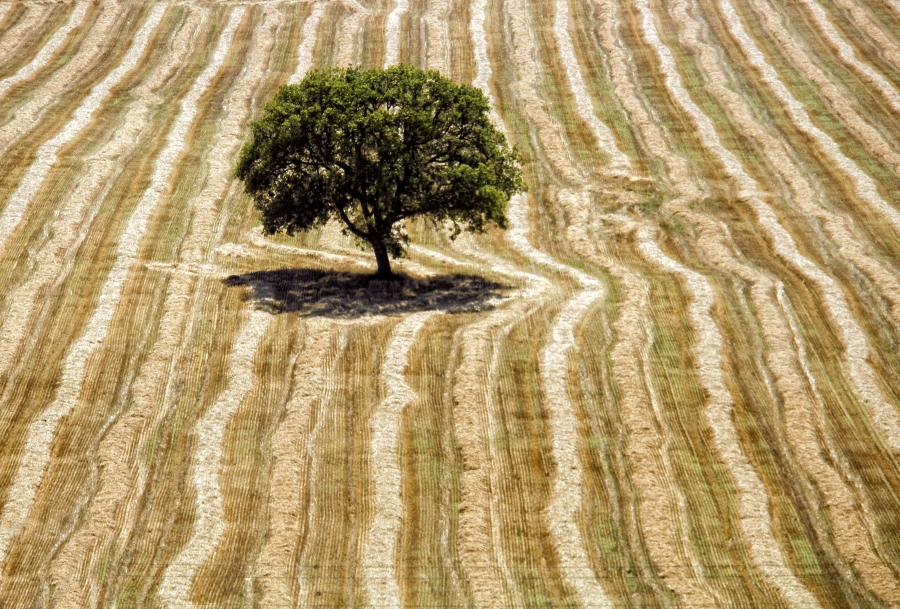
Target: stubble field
point(673, 382)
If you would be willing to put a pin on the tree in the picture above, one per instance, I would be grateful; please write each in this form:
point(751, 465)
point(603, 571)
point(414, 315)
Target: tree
point(373, 148)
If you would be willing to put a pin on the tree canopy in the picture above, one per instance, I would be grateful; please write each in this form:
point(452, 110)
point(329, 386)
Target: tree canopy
point(375, 147)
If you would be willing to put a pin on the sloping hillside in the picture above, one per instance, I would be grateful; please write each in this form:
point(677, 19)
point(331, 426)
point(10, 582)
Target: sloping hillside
point(673, 382)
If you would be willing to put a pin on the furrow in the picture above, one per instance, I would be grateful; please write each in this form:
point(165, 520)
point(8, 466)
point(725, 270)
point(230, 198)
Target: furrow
point(379, 546)
point(584, 105)
point(40, 435)
point(47, 154)
point(209, 524)
point(276, 566)
point(47, 51)
point(865, 185)
point(753, 505)
point(781, 355)
point(71, 227)
point(392, 32)
point(112, 515)
point(856, 349)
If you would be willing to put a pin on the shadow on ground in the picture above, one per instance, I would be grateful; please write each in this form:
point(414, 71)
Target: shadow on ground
point(311, 293)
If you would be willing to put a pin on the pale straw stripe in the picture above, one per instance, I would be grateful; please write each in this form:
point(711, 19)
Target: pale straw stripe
point(47, 51)
point(36, 453)
point(46, 155)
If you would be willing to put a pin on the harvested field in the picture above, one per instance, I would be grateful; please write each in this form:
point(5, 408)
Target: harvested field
point(673, 382)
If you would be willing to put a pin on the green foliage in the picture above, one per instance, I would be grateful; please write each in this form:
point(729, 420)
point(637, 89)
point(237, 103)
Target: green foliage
point(374, 147)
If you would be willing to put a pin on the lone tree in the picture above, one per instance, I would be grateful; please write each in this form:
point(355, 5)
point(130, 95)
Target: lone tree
point(373, 148)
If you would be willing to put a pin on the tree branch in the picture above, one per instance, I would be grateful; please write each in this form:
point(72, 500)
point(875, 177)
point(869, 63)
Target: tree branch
point(350, 225)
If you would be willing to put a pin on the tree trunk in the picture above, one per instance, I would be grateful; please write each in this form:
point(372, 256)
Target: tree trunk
point(384, 262)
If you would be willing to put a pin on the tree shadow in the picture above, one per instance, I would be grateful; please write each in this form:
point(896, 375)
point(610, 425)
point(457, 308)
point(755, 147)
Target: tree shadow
point(317, 293)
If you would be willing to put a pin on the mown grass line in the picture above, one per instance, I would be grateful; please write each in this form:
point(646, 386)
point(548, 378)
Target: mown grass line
point(79, 388)
point(811, 510)
point(856, 102)
point(18, 23)
point(431, 462)
point(794, 504)
point(864, 295)
point(870, 39)
point(290, 474)
point(845, 144)
point(567, 97)
point(763, 169)
point(381, 578)
point(573, 561)
point(695, 489)
point(372, 53)
point(163, 521)
point(226, 579)
point(19, 43)
point(200, 222)
point(81, 188)
point(846, 422)
point(330, 562)
point(586, 20)
point(130, 435)
point(711, 495)
point(239, 542)
point(27, 120)
point(860, 370)
point(850, 55)
point(103, 222)
point(820, 282)
point(110, 388)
